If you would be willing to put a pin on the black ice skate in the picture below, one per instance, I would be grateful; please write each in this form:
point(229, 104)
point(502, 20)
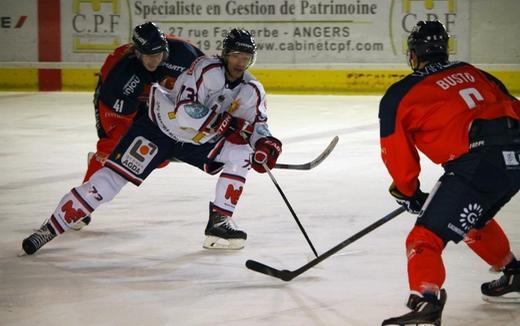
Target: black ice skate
point(425, 311)
point(506, 289)
point(221, 232)
point(81, 224)
point(36, 240)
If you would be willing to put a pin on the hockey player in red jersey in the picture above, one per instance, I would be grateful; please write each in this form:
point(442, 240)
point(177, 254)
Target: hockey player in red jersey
point(124, 85)
point(464, 119)
point(214, 119)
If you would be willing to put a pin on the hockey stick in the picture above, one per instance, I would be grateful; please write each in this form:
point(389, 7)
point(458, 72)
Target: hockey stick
point(302, 166)
point(312, 164)
point(290, 208)
point(287, 275)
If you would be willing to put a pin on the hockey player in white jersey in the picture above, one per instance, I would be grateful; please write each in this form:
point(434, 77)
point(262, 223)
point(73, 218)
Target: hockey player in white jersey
point(214, 119)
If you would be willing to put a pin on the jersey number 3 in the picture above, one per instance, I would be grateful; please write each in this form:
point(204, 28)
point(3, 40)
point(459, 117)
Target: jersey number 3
point(471, 96)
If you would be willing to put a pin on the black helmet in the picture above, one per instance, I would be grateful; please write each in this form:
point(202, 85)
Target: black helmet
point(148, 39)
point(429, 40)
point(239, 40)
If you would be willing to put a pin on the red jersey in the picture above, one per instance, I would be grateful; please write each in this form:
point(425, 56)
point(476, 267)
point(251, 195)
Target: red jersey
point(431, 110)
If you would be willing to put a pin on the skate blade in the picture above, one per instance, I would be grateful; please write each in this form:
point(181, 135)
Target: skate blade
point(22, 253)
point(78, 226)
point(507, 298)
point(212, 242)
point(415, 324)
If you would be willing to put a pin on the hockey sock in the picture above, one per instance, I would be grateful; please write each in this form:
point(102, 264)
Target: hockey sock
point(231, 181)
point(228, 191)
point(491, 244)
point(81, 201)
point(96, 162)
point(426, 272)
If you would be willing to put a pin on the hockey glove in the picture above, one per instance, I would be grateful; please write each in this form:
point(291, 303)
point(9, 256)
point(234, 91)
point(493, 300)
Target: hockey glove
point(227, 125)
point(414, 203)
point(267, 150)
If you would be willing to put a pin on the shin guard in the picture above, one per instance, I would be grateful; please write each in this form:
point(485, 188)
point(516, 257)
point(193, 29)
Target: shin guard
point(491, 244)
point(83, 200)
point(233, 177)
point(426, 271)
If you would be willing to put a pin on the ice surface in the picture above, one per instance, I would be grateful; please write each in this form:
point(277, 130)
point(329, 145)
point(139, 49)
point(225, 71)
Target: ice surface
point(141, 261)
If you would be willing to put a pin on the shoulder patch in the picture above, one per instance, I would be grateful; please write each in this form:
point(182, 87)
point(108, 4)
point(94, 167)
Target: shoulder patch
point(196, 110)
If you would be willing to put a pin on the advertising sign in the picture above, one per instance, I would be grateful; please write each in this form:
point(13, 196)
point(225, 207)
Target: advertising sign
point(287, 31)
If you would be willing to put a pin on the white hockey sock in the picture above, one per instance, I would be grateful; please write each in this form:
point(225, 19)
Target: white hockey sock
point(231, 181)
point(228, 191)
point(81, 201)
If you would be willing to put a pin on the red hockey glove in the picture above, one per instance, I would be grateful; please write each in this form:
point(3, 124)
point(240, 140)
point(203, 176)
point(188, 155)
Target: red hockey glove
point(223, 124)
point(413, 203)
point(267, 150)
point(228, 125)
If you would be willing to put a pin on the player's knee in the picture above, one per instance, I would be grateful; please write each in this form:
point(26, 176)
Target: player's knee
point(490, 231)
point(421, 238)
point(102, 187)
point(235, 158)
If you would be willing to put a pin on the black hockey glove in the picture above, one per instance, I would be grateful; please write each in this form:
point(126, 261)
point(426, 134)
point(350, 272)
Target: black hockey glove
point(414, 203)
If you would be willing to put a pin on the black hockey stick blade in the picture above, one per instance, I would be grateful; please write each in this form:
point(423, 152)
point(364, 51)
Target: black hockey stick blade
point(312, 164)
point(287, 275)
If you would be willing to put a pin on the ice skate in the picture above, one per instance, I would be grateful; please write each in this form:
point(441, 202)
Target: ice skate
point(81, 224)
point(425, 311)
point(39, 238)
point(506, 289)
point(221, 232)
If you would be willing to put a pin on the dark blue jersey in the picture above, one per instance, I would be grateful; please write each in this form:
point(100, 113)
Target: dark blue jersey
point(125, 82)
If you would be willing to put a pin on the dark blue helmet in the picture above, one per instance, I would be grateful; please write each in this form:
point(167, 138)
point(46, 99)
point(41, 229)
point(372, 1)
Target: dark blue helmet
point(429, 40)
point(148, 39)
point(239, 40)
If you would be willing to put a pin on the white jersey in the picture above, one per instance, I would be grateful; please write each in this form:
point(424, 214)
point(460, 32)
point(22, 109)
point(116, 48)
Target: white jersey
point(201, 94)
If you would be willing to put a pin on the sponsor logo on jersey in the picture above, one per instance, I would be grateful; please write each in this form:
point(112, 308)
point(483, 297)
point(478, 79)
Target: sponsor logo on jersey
point(131, 84)
point(173, 67)
point(196, 110)
point(138, 155)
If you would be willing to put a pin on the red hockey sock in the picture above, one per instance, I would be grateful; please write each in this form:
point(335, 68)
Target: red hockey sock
point(425, 267)
point(491, 244)
point(95, 163)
